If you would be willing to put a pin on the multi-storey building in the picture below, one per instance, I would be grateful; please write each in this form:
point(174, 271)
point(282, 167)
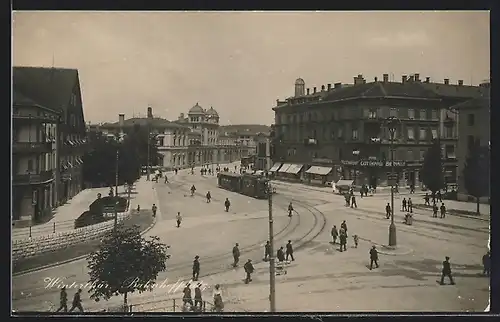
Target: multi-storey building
point(263, 154)
point(49, 139)
point(245, 136)
point(338, 132)
point(474, 128)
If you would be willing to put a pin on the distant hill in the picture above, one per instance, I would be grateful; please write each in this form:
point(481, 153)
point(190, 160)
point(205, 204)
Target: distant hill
point(245, 128)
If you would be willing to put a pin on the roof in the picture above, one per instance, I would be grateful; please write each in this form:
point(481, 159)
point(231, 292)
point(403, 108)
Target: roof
point(143, 121)
point(245, 129)
point(212, 111)
point(452, 90)
point(50, 87)
point(481, 102)
point(300, 81)
point(197, 109)
point(19, 99)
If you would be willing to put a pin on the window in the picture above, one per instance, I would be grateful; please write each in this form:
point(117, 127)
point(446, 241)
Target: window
point(423, 114)
point(366, 113)
point(450, 151)
point(160, 141)
point(434, 114)
point(393, 112)
point(422, 134)
point(448, 132)
point(30, 165)
point(470, 120)
point(332, 135)
point(354, 134)
point(339, 133)
point(372, 115)
point(409, 155)
point(411, 113)
point(422, 154)
point(411, 134)
point(434, 133)
point(470, 142)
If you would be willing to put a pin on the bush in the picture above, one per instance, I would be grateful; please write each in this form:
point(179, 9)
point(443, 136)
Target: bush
point(89, 218)
point(99, 204)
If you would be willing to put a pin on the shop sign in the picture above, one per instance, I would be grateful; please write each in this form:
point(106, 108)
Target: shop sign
point(322, 160)
point(396, 163)
point(349, 162)
point(371, 163)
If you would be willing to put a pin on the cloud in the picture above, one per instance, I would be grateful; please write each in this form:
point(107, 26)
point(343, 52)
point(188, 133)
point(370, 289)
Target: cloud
point(399, 39)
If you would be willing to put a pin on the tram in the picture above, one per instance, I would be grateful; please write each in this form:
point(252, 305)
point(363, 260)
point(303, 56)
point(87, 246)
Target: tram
point(246, 184)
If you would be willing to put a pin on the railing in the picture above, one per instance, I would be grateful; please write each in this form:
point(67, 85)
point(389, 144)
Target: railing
point(36, 118)
point(27, 179)
point(171, 305)
point(32, 147)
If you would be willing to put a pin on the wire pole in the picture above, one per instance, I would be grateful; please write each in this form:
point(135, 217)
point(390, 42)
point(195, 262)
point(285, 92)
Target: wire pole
point(272, 274)
point(116, 191)
point(149, 142)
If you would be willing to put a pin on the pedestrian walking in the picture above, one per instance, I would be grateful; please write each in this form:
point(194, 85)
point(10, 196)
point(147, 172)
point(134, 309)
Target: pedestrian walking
point(209, 197)
point(175, 170)
point(154, 208)
point(356, 240)
point(227, 204)
point(353, 201)
point(434, 211)
point(373, 257)
point(166, 179)
point(178, 218)
point(412, 188)
point(347, 197)
point(439, 197)
point(193, 190)
point(267, 251)
point(63, 300)
point(410, 205)
point(344, 227)
point(335, 234)
point(446, 271)
point(218, 303)
point(443, 210)
point(197, 297)
point(487, 264)
point(388, 211)
point(196, 268)
point(403, 205)
point(280, 255)
point(426, 199)
point(236, 255)
point(343, 240)
point(248, 270)
point(186, 297)
point(77, 301)
point(289, 251)
point(290, 210)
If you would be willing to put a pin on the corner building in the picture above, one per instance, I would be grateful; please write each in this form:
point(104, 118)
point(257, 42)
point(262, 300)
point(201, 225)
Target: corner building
point(338, 132)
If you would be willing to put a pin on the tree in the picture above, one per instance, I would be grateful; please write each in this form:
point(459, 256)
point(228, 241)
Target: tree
point(141, 137)
point(432, 169)
point(124, 263)
point(476, 173)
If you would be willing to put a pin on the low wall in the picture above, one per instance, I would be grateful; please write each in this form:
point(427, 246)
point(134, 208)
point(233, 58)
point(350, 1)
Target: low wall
point(30, 247)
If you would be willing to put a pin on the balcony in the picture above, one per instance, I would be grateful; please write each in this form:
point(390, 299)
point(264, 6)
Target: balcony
point(31, 147)
point(47, 118)
point(32, 179)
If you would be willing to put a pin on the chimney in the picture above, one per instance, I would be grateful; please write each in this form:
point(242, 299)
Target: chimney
point(403, 79)
point(364, 81)
point(375, 79)
point(427, 79)
point(150, 112)
point(121, 121)
point(337, 85)
point(460, 82)
point(308, 90)
point(329, 86)
point(314, 90)
point(322, 88)
point(181, 117)
point(412, 78)
point(417, 77)
point(386, 78)
point(447, 81)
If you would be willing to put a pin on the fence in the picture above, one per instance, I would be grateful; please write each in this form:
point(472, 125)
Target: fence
point(171, 305)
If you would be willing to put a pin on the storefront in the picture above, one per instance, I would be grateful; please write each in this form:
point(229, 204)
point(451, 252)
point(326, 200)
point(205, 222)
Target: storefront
point(275, 167)
point(281, 172)
point(294, 173)
point(372, 172)
point(318, 175)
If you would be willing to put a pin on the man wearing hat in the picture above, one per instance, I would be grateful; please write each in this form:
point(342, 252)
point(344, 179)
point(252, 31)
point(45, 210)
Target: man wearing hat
point(63, 298)
point(249, 270)
point(373, 257)
point(446, 271)
point(236, 255)
point(196, 268)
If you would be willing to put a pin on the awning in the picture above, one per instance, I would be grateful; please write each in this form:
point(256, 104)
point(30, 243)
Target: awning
point(344, 183)
point(323, 171)
point(275, 167)
point(70, 164)
point(294, 168)
point(284, 167)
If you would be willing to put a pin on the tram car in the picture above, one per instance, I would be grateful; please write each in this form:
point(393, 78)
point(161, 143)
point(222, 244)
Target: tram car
point(246, 184)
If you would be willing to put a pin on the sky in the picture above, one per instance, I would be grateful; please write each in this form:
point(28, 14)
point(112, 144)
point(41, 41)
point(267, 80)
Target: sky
point(241, 62)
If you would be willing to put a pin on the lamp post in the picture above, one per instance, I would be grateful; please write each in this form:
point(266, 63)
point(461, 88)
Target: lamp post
point(392, 124)
point(356, 154)
point(272, 273)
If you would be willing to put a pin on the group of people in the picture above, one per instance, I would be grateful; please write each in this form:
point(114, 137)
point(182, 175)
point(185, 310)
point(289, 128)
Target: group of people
point(341, 234)
point(198, 304)
point(350, 199)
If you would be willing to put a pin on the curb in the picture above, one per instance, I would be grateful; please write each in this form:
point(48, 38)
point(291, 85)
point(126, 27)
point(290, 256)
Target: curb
point(36, 269)
point(389, 248)
point(457, 215)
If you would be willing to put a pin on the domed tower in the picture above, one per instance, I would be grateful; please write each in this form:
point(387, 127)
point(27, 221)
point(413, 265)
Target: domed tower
point(300, 87)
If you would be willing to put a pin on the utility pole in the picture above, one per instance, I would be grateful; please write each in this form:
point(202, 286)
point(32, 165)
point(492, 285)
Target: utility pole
point(272, 274)
point(149, 142)
point(116, 190)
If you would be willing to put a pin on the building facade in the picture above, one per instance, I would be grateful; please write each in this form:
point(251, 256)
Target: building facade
point(49, 140)
point(474, 128)
point(340, 131)
point(263, 152)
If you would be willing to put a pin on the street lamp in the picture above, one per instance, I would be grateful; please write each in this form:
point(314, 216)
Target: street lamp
point(392, 123)
point(272, 273)
point(356, 154)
